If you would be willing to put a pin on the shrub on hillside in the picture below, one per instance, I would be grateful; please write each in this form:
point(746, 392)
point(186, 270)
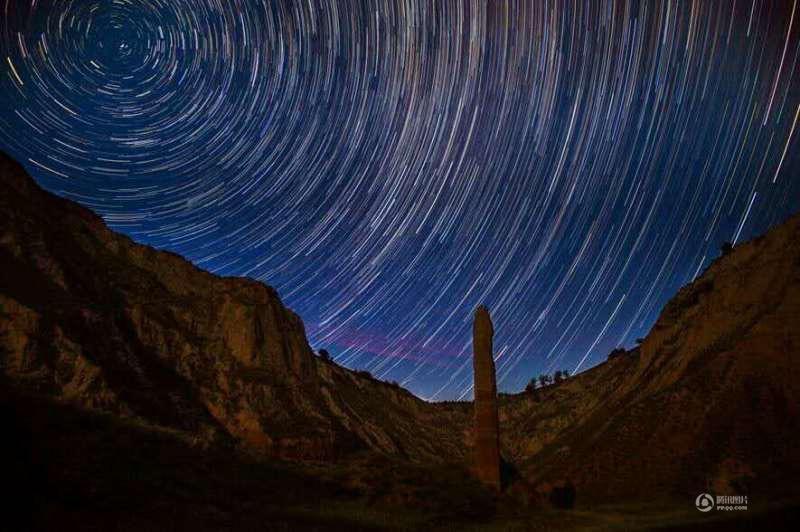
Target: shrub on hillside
point(563, 497)
point(365, 374)
point(619, 351)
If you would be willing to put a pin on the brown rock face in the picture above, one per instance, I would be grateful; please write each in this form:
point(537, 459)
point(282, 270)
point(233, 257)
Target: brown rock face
point(89, 317)
point(710, 400)
point(487, 432)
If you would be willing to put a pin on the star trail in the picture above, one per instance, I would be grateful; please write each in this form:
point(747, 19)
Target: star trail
point(389, 165)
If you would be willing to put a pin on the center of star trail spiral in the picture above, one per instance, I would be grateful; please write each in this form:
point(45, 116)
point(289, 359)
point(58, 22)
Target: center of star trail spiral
point(389, 165)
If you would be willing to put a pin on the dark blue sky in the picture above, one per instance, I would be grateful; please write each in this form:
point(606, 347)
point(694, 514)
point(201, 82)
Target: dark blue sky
point(389, 165)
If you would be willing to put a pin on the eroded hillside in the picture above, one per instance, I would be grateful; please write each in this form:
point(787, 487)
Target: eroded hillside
point(710, 401)
point(96, 320)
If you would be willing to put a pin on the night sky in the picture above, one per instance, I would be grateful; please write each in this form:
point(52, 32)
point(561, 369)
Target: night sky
point(389, 165)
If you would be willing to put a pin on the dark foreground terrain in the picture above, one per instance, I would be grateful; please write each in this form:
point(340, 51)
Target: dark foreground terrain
point(140, 392)
point(77, 470)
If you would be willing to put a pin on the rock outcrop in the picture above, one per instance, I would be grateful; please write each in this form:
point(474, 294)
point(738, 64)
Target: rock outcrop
point(708, 402)
point(89, 317)
point(487, 435)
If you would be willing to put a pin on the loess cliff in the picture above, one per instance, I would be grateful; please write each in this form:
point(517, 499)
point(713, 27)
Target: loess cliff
point(710, 401)
point(93, 319)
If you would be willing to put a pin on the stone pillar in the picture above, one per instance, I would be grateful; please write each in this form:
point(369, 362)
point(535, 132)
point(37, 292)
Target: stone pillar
point(487, 430)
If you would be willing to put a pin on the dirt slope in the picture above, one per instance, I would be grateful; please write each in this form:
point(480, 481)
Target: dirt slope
point(92, 318)
point(709, 402)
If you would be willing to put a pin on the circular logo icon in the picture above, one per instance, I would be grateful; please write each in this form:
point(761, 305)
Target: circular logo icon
point(704, 502)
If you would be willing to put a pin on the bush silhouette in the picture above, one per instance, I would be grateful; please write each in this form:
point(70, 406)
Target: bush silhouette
point(532, 389)
point(324, 355)
point(619, 351)
point(726, 248)
point(563, 497)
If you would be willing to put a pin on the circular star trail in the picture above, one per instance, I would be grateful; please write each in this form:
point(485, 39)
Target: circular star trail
point(389, 165)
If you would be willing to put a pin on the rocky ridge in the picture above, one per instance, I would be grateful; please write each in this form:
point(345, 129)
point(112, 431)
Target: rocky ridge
point(92, 318)
point(709, 401)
